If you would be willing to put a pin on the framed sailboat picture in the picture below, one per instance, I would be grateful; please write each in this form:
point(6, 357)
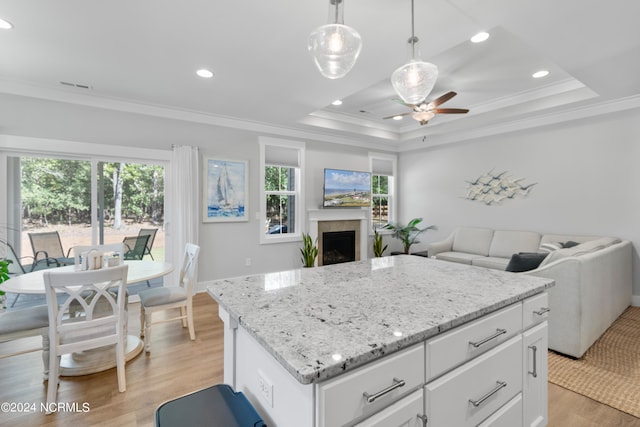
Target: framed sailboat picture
point(225, 190)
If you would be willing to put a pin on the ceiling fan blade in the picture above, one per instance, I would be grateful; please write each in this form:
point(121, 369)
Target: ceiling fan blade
point(391, 117)
point(450, 110)
point(444, 98)
point(400, 101)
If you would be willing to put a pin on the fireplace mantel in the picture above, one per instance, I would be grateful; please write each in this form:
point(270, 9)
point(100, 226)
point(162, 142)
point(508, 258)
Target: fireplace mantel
point(341, 214)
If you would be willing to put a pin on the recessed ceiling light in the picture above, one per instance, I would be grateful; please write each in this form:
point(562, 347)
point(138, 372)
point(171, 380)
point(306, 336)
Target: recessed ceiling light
point(5, 25)
point(397, 117)
point(480, 37)
point(336, 102)
point(204, 73)
point(540, 74)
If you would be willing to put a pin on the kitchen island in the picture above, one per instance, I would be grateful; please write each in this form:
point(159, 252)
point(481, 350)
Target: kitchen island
point(372, 341)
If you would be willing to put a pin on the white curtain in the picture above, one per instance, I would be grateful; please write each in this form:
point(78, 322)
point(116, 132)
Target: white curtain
point(184, 181)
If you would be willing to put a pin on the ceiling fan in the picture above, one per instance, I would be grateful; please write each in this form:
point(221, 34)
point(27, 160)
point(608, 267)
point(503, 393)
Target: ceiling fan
point(425, 111)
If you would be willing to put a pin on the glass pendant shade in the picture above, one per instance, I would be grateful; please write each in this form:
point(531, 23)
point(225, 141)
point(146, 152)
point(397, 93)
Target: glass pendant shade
point(414, 80)
point(335, 47)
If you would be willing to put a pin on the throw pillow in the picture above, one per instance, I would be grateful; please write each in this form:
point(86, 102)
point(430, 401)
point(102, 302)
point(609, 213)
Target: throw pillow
point(549, 247)
point(525, 261)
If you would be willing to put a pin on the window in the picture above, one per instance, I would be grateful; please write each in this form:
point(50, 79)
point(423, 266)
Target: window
point(382, 189)
point(281, 205)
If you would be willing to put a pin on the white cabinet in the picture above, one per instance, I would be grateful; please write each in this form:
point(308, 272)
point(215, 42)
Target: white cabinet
point(509, 415)
point(470, 394)
point(535, 387)
point(455, 347)
point(367, 390)
point(405, 413)
point(472, 375)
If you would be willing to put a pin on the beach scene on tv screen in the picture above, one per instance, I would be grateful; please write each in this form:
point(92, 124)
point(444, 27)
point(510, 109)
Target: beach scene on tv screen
point(346, 188)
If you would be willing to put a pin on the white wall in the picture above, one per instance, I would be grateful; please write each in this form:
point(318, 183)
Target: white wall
point(225, 247)
point(587, 174)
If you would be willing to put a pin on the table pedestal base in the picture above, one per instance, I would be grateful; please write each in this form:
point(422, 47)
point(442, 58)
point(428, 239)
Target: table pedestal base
point(98, 360)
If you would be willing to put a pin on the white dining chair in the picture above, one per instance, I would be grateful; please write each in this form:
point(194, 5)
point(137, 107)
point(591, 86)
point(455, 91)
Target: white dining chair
point(25, 323)
point(171, 297)
point(101, 323)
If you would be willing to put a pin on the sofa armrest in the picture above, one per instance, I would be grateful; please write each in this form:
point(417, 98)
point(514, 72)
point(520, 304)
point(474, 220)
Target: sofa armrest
point(441, 246)
point(590, 292)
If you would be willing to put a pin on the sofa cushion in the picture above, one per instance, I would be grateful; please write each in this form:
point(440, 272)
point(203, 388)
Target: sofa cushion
point(507, 242)
point(473, 240)
point(581, 249)
point(525, 261)
point(550, 247)
point(459, 257)
point(491, 262)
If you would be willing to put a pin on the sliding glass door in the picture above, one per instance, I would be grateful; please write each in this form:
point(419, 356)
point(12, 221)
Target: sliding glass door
point(85, 201)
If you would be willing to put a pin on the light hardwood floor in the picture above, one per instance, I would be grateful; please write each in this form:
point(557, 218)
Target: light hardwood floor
point(177, 366)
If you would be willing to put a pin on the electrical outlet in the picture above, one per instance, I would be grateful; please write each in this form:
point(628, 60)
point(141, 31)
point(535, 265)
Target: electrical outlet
point(266, 388)
point(247, 262)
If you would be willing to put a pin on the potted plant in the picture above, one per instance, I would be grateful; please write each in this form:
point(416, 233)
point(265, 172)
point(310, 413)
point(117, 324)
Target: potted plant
point(378, 249)
point(309, 251)
point(409, 233)
point(4, 276)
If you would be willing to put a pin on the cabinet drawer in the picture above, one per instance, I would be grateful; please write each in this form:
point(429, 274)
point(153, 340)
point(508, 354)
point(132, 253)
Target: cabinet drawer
point(342, 400)
point(455, 347)
point(510, 415)
point(535, 310)
point(403, 413)
point(471, 393)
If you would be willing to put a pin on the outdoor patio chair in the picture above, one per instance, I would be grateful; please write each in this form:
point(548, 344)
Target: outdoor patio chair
point(135, 247)
point(47, 250)
point(151, 232)
point(16, 268)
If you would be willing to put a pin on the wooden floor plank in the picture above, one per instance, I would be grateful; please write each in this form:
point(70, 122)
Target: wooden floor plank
point(177, 366)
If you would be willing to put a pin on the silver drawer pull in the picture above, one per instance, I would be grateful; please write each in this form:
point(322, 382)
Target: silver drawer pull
point(542, 311)
point(476, 403)
point(373, 397)
point(487, 339)
point(534, 373)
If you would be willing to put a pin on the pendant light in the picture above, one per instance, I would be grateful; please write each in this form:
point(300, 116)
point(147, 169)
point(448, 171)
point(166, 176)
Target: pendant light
point(335, 47)
point(415, 79)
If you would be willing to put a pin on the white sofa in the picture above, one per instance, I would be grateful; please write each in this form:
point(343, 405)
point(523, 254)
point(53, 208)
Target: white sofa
point(593, 280)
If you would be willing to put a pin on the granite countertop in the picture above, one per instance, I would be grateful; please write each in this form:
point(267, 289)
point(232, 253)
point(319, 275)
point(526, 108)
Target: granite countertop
point(320, 322)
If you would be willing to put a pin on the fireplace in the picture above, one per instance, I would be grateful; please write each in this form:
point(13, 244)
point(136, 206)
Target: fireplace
point(338, 246)
point(343, 238)
point(352, 222)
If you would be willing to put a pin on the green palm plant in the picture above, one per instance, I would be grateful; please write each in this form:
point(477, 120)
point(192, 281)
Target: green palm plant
point(309, 251)
point(378, 249)
point(409, 233)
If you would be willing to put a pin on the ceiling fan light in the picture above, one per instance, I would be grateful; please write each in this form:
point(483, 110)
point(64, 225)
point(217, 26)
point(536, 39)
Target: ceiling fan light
point(335, 47)
point(423, 116)
point(414, 81)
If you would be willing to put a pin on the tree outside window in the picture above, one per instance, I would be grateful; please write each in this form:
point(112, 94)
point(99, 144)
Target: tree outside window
point(280, 199)
point(379, 200)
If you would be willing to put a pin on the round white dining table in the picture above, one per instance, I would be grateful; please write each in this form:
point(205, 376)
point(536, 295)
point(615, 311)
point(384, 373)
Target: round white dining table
point(92, 361)
point(33, 283)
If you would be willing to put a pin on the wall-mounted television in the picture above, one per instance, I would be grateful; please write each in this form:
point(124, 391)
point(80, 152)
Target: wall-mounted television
point(346, 189)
